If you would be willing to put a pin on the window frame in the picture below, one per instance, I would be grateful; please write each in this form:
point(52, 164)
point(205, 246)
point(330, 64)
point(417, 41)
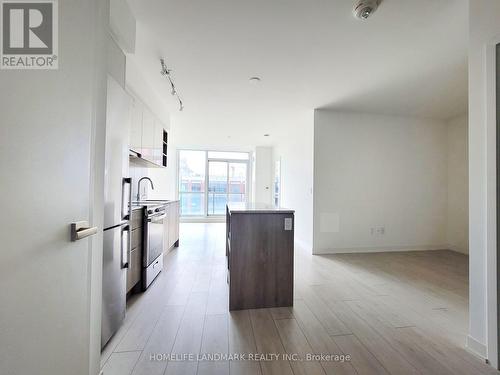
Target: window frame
point(205, 192)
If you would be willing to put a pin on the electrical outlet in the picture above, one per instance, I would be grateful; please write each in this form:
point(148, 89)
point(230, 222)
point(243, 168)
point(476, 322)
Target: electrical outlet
point(377, 231)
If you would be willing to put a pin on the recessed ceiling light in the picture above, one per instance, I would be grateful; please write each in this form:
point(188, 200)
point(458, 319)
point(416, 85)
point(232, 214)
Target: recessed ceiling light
point(254, 79)
point(267, 135)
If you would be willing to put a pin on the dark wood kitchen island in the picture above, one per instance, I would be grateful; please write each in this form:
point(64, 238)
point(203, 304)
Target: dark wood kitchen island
point(259, 249)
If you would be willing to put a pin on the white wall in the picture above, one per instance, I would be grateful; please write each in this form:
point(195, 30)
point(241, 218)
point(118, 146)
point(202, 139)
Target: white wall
point(264, 173)
point(458, 186)
point(378, 171)
point(484, 34)
point(163, 180)
point(122, 25)
point(295, 150)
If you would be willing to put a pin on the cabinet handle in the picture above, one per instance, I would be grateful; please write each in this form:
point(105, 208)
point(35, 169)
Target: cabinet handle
point(81, 229)
point(126, 198)
point(126, 244)
point(135, 153)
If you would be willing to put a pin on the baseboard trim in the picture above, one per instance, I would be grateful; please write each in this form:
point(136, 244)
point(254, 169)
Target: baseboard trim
point(475, 347)
point(379, 249)
point(457, 249)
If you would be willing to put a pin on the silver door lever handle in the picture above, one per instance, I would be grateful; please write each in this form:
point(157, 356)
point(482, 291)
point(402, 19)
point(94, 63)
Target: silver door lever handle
point(81, 229)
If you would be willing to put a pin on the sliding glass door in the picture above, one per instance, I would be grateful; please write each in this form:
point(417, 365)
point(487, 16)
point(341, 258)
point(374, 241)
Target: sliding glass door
point(237, 182)
point(208, 180)
point(217, 187)
point(227, 182)
point(192, 175)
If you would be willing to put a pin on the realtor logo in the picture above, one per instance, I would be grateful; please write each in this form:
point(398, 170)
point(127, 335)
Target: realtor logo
point(29, 34)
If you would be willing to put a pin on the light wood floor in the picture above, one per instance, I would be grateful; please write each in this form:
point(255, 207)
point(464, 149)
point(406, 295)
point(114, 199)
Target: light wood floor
point(393, 313)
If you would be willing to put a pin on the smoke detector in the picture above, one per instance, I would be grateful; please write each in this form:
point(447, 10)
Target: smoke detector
point(363, 9)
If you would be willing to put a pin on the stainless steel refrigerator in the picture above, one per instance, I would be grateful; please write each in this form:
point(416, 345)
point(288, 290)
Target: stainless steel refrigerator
point(117, 209)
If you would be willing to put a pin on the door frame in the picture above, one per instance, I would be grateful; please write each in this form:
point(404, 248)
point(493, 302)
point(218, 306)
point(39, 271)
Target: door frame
point(96, 184)
point(497, 197)
point(492, 210)
point(493, 219)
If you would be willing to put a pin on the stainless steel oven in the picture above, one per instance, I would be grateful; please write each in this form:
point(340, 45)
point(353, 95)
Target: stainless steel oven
point(154, 228)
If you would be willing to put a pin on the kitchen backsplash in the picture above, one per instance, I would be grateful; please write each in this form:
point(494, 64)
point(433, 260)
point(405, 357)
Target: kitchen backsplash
point(161, 180)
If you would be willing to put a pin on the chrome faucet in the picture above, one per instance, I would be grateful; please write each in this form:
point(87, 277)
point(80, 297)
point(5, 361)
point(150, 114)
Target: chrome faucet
point(139, 186)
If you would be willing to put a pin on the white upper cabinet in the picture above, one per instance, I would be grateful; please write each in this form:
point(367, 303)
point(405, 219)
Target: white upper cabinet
point(147, 136)
point(136, 127)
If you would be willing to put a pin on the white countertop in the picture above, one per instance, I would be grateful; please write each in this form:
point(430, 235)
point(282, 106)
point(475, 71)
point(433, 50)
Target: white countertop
point(255, 207)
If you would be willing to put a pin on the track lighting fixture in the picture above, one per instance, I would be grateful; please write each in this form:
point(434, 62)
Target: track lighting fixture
point(166, 72)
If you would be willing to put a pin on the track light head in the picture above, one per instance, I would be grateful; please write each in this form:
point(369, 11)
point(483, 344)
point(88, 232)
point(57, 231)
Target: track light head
point(166, 72)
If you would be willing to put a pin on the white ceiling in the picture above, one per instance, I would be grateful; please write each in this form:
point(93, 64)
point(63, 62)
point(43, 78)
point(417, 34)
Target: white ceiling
point(410, 58)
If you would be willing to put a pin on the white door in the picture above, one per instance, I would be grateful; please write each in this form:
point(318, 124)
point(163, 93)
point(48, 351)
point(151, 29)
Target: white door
point(51, 174)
